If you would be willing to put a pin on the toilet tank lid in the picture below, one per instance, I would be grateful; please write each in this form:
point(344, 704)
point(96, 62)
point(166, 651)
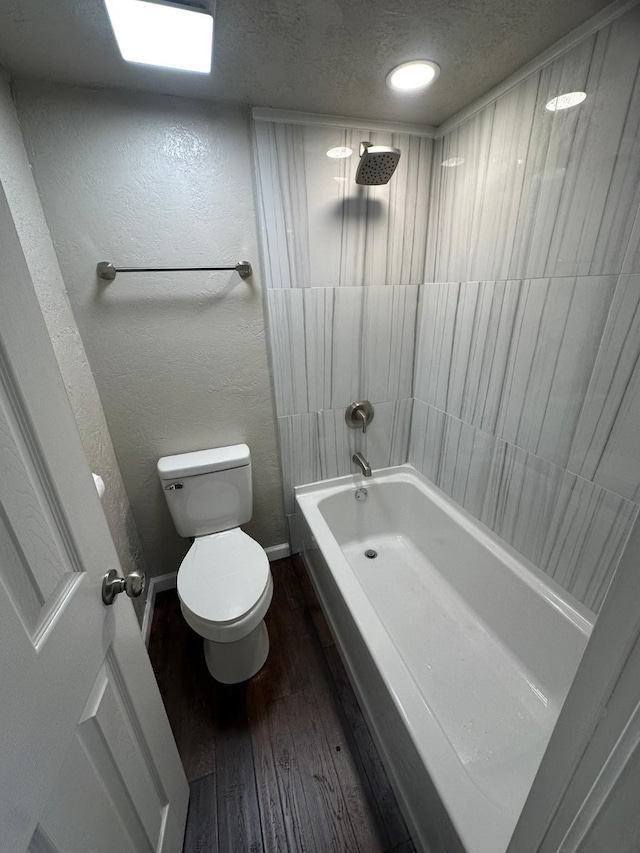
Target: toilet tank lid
point(204, 461)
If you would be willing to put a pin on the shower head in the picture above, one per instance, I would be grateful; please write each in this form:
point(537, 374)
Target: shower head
point(377, 164)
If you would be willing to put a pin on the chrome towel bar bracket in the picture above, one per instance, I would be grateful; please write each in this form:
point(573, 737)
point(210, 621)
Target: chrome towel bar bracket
point(107, 271)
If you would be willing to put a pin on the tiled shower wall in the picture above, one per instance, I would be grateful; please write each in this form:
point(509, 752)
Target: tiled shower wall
point(344, 264)
point(523, 400)
point(527, 379)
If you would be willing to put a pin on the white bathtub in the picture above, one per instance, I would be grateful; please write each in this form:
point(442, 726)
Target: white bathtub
point(460, 651)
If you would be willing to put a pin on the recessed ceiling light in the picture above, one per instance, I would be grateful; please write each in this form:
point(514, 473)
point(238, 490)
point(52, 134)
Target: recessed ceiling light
point(413, 76)
point(453, 161)
point(340, 152)
point(566, 101)
point(158, 34)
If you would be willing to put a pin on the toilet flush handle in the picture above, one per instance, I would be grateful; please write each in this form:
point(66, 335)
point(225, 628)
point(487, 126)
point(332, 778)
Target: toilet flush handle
point(172, 486)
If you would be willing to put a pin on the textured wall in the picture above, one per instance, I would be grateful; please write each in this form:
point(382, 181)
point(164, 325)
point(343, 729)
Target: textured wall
point(344, 264)
point(179, 358)
point(26, 208)
point(527, 381)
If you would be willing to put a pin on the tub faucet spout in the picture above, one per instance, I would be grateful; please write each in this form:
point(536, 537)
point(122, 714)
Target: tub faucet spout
point(362, 463)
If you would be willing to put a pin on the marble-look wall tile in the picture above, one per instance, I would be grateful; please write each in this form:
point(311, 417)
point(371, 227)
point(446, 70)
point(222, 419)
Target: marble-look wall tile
point(320, 229)
point(478, 177)
point(520, 498)
point(299, 450)
point(587, 535)
point(529, 354)
point(556, 334)
point(454, 455)
point(385, 443)
point(606, 447)
point(331, 346)
point(425, 439)
point(513, 358)
point(332, 340)
point(467, 457)
point(464, 337)
point(511, 491)
point(283, 201)
point(527, 360)
point(301, 321)
point(631, 263)
point(572, 529)
point(319, 445)
point(538, 193)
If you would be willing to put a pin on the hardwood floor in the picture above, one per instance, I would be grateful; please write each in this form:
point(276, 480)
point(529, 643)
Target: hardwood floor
point(284, 762)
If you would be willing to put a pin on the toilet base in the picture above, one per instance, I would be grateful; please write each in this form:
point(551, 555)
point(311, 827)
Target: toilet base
point(231, 663)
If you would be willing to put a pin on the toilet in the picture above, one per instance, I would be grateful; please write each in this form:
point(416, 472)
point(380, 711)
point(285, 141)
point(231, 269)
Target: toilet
point(224, 582)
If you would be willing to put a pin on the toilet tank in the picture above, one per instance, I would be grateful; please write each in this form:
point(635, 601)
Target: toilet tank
point(208, 490)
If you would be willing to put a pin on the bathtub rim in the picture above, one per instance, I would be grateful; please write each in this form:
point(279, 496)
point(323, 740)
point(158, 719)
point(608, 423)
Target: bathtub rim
point(484, 830)
point(387, 754)
point(577, 613)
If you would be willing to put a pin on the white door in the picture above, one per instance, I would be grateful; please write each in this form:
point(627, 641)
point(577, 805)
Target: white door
point(88, 763)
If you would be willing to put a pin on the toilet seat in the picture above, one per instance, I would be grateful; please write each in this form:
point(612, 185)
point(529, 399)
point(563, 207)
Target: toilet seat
point(224, 585)
point(223, 575)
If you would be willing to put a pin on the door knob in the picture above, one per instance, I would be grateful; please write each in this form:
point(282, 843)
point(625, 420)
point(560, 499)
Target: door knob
point(112, 585)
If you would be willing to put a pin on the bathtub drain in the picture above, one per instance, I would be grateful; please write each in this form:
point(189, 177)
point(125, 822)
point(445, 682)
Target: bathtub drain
point(371, 554)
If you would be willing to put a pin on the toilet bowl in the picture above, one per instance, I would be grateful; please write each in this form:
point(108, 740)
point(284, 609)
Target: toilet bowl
point(224, 582)
point(225, 589)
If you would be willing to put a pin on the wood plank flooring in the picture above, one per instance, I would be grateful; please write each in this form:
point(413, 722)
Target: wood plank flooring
point(284, 762)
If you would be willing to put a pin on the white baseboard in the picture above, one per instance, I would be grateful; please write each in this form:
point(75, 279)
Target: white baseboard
point(278, 552)
point(156, 585)
point(163, 582)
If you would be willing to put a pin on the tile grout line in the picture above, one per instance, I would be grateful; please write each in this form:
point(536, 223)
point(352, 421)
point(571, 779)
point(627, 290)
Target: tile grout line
point(528, 452)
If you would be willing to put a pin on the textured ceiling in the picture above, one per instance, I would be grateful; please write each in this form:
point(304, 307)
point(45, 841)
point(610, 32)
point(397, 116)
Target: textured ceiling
point(323, 56)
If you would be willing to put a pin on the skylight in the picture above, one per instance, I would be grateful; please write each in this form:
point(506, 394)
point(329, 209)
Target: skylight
point(162, 35)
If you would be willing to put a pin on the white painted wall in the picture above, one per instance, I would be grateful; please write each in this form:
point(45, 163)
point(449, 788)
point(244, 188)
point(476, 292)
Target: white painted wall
point(22, 195)
point(179, 358)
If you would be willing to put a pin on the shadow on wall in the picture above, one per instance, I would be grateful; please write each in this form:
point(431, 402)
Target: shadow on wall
point(135, 546)
point(358, 207)
point(163, 546)
point(138, 558)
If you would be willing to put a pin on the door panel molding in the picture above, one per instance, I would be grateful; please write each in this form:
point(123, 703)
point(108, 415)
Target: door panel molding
point(87, 756)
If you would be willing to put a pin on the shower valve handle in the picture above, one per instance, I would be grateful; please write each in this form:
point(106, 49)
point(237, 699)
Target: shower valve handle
point(359, 415)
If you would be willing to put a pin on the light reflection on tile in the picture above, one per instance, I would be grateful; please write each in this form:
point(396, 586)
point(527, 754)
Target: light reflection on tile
point(319, 232)
point(546, 194)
